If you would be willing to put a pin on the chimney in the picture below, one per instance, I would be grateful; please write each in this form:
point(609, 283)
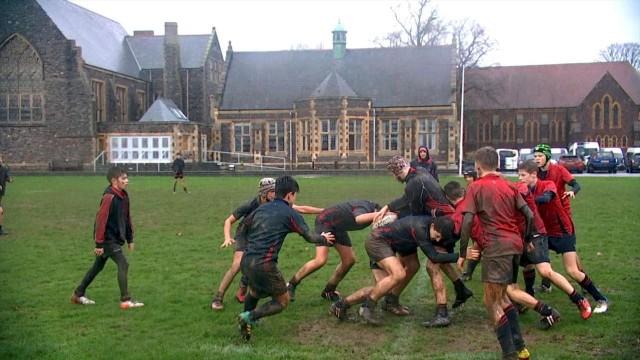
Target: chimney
point(142, 33)
point(172, 84)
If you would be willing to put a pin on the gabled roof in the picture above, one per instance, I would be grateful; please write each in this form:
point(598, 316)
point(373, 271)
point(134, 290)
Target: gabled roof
point(164, 110)
point(101, 39)
point(333, 86)
point(543, 86)
point(149, 50)
point(390, 76)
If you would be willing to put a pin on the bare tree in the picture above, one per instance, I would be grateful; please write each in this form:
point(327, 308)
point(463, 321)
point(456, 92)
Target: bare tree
point(473, 43)
point(623, 52)
point(420, 25)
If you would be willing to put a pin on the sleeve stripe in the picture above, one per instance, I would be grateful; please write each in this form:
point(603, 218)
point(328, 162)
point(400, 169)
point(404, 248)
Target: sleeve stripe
point(102, 217)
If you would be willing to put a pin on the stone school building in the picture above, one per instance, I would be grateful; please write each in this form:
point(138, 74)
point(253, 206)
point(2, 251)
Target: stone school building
point(77, 89)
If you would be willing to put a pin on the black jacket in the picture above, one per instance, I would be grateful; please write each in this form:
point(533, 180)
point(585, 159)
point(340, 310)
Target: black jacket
point(113, 221)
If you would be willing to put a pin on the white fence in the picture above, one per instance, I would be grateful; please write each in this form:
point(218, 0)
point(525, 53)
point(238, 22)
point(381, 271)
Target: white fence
point(245, 159)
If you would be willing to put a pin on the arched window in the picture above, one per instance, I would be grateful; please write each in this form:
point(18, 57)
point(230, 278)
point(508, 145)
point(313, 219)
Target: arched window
point(616, 122)
point(599, 140)
point(21, 71)
point(589, 138)
point(595, 117)
point(484, 132)
point(606, 113)
point(623, 141)
point(508, 131)
point(614, 141)
point(531, 131)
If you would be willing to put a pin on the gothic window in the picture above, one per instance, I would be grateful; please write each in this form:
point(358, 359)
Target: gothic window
point(615, 117)
point(21, 82)
point(595, 122)
point(484, 132)
point(329, 135)
point(599, 141)
point(390, 135)
point(531, 131)
point(606, 142)
point(613, 141)
point(508, 131)
point(554, 130)
point(121, 99)
point(99, 97)
point(242, 137)
point(605, 117)
point(355, 135)
point(276, 136)
point(623, 141)
point(427, 133)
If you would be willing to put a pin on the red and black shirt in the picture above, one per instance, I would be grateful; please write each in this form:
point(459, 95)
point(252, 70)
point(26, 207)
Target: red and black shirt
point(496, 202)
point(555, 217)
point(113, 221)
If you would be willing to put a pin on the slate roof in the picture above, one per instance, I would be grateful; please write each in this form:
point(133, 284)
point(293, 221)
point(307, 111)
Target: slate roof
point(390, 76)
point(164, 110)
point(149, 50)
point(543, 86)
point(333, 86)
point(102, 40)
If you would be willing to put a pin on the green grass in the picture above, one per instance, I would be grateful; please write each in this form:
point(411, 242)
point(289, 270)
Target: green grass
point(50, 220)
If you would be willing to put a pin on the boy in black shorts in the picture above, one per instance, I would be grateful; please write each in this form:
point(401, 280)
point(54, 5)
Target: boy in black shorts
point(178, 170)
point(266, 230)
point(560, 230)
point(401, 237)
point(496, 202)
point(339, 220)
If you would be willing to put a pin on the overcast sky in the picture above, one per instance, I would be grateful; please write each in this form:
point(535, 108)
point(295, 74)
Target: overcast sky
point(527, 32)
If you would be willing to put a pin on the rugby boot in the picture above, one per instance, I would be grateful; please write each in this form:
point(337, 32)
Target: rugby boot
point(585, 308)
point(546, 322)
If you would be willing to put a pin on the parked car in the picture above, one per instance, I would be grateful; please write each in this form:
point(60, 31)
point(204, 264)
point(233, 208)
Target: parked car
point(633, 163)
point(507, 159)
point(573, 163)
point(602, 161)
point(617, 153)
point(524, 157)
point(630, 156)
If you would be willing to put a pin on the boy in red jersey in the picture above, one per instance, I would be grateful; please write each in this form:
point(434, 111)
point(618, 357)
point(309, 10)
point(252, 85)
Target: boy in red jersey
point(562, 238)
point(561, 177)
point(496, 202)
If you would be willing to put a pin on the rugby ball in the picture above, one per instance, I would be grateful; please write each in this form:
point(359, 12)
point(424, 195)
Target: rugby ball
point(388, 218)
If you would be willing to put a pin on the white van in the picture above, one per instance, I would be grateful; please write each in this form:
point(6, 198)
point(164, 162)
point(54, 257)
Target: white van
point(507, 159)
point(525, 154)
point(584, 149)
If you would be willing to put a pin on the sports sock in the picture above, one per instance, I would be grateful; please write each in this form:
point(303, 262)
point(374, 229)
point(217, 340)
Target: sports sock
point(545, 282)
point(471, 266)
point(267, 309)
point(575, 297)
point(503, 333)
point(529, 280)
point(392, 299)
point(330, 287)
point(369, 303)
point(591, 288)
point(512, 316)
point(250, 302)
point(441, 309)
point(294, 282)
point(185, 189)
point(459, 288)
point(542, 308)
point(174, 185)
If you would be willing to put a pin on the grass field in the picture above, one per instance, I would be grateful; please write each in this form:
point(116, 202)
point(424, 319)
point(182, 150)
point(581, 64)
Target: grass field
point(177, 265)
